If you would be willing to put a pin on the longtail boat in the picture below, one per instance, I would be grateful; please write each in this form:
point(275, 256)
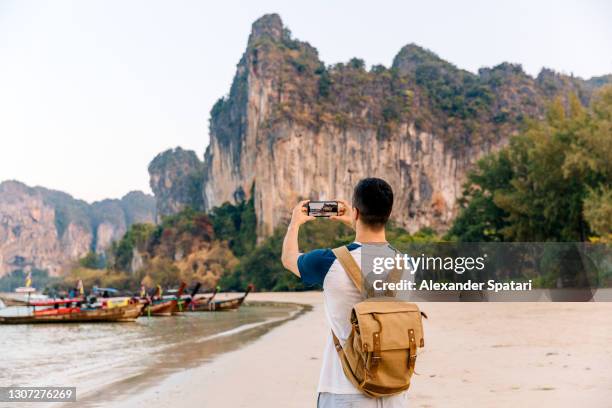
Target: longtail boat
point(160, 308)
point(184, 302)
point(21, 296)
point(199, 303)
point(220, 305)
point(71, 311)
point(158, 305)
point(12, 300)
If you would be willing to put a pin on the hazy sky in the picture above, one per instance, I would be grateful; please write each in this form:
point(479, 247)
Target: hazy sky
point(91, 91)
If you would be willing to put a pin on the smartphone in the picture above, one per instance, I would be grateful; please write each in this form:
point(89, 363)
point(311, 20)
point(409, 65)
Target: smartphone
point(322, 208)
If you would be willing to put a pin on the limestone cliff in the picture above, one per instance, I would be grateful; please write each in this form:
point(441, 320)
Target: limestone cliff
point(298, 128)
point(176, 179)
point(47, 229)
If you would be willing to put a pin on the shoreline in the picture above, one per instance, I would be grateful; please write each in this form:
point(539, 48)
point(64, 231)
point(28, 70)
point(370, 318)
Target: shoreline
point(476, 354)
point(253, 369)
point(188, 358)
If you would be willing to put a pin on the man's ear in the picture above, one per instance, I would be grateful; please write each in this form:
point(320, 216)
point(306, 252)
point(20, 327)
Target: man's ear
point(355, 214)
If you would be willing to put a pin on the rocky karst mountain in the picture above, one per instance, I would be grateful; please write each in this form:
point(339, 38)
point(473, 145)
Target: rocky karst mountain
point(296, 127)
point(176, 180)
point(48, 229)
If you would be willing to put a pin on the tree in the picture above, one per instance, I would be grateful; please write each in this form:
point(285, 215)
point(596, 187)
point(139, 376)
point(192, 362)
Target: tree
point(550, 184)
point(137, 236)
point(480, 219)
point(93, 260)
point(237, 225)
point(598, 212)
point(262, 267)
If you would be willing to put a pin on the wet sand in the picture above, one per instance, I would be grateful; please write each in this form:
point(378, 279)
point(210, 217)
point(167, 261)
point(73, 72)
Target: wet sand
point(476, 355)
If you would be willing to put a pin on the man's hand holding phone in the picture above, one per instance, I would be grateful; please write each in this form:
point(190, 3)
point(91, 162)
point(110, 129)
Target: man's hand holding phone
point(300, 215)
point(345, 213)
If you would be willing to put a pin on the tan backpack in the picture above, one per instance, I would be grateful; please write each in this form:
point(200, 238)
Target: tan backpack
point(380, 353)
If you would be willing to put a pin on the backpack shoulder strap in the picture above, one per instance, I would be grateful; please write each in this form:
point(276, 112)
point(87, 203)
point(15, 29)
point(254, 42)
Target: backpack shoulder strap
point(350, 266)
point(354, 272)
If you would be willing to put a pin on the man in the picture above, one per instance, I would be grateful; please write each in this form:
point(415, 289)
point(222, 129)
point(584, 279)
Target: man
point(368, 215)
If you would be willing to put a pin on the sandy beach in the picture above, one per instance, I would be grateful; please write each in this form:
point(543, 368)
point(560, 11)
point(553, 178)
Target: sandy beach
point(476, 355)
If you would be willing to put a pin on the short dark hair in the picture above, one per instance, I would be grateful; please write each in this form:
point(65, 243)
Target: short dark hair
point(373, 197)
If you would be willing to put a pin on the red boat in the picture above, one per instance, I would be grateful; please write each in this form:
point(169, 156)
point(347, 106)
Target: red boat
point(71, 311)
point(160, 308)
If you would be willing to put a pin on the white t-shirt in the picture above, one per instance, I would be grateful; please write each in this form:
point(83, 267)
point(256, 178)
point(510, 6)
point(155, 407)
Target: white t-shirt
point(340, 295)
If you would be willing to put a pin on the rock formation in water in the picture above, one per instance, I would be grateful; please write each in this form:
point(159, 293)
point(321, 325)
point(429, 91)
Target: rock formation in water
point(175, 176)
point(300, 129)
point(47, 229)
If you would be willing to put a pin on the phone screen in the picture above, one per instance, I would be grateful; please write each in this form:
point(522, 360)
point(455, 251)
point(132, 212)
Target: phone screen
point(322, 208)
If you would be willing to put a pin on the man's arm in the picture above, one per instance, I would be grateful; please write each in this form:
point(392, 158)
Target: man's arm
point(291, 252)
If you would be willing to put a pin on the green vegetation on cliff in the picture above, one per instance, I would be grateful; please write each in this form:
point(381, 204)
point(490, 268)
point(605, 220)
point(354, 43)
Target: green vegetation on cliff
point(236, 224)
point(552, 183)
point(419, 87)
point(93, 260)
point(176, 177)
point(137, 237)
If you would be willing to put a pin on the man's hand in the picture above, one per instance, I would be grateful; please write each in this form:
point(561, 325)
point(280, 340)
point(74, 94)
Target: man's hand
point(345, 213)
point(300, 214)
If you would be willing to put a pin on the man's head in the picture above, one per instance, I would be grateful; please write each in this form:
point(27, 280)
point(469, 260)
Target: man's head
point(373, 201)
